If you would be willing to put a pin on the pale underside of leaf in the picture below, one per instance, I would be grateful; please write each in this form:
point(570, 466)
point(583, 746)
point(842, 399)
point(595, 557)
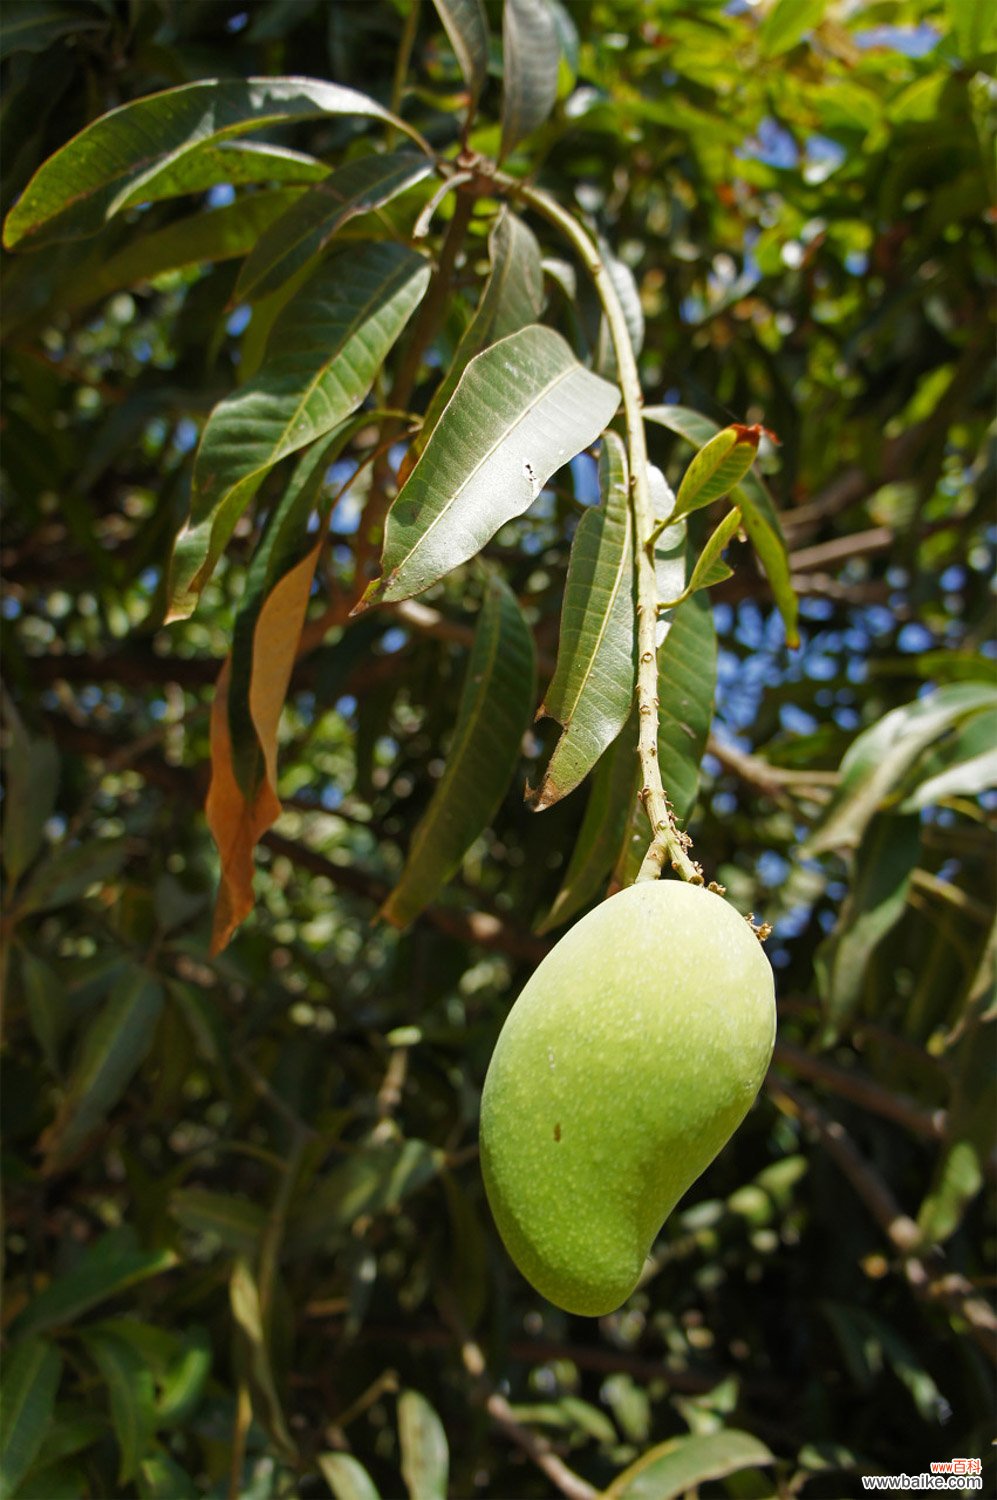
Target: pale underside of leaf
point(531, 53)
point(131, 154)
point(591, 692)
point(327, 347)
point(522, 409)
point(494, 712)
point(466, 26)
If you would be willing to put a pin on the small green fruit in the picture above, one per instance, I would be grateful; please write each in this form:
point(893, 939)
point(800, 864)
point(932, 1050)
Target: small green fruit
point(632, 1055)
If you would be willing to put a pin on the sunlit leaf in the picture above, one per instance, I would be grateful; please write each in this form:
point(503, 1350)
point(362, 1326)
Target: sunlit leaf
point(312, 221)
point(786, 23)
point(522, 409)
point(493, 715)
point(530, 56)
point(132, 154)
point(425, 1455)
point(31, 1373)
point(710, 567)
point(324, 354)
point(964, 768)
point(670, 1469)
point(592, 690)
point(716, 469)
point(244, 1299)
point(115, 1043)
point(467, 29)
point(346, 1477)
point(687, 674)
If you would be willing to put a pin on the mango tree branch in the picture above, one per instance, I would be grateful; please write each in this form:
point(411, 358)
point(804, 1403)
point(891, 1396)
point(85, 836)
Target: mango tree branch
point(667, 842)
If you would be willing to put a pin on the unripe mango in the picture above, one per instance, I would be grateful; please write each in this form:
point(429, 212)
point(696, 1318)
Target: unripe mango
point(632, 1055)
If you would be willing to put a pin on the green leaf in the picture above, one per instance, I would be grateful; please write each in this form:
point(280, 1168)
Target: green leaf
point(974, 27)
point(31, 1375)
point(159, 1478)
point(132, 1397)
point(236, 1222)
point(64, 875)
point(244, 1298)
point(716, 469)
point(963, 768)
point(133, 154)
point(607, 813)
point(492, 718)
point(114, 1045)
point(670, 1469)
point(687, 674)
point(758, 515)
point(105, 1270)
point(48, 1012)
point(346, 1477)
point(62, 1480)
point(313, 220)
point(31, 769)
point(531, 53)
point(786, 23)
point(879, 758)
point(592, 689)
point(523, 408)
point(373, 1180)
point(466, 26)
point(710, 567)
point(512, 299)
point(325, 351)
point(34, 27)
point(875, 903)
point(425, 1456)
point(625, 285)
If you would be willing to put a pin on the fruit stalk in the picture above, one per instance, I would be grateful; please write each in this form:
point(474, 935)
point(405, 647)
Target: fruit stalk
point(668, 843)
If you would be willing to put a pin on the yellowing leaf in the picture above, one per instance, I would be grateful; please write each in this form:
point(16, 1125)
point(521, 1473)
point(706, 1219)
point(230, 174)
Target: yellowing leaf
point(236, 819)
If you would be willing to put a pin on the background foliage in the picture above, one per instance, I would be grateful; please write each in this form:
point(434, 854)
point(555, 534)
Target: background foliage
point(247, 1250)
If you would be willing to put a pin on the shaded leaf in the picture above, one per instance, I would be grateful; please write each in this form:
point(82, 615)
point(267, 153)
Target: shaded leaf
point(493, 715)
point(133, 153)
point(31, 1374)
point(612, 799)
point(512, 299)
point(522, 409)
point(325, 351)
point(531, 53)
point(592, 689)
point(31, 773)
point(425, 1456)
point(875, 903)
point(45, 999)
point(159, 1478)
point(670, 1469)
point(114, 1045)
point(236, 1222)
point(880, 757)
point(466, 26)
point(346, 1477)
point(374, 1179)
point(244, 1298)
point(625, 286)
point(132, 1398)
point(687, 674)
point(313, 220)
point(66, 874)
point(963, 768)
point(33, 28)
point(104, 1270)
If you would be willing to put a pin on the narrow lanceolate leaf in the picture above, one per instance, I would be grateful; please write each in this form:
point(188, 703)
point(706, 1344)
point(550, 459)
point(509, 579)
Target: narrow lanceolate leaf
point(875, 903)
point(236, 1223)
point(672, 1469)
point(592, 689)
point(493, 716)
point(105, 1270)
point(134, 154)
point(425, 1455)
point(311, 222)
point(687, 674)
point(132, 1398)
point(877, 761)
point(247, 1314)
point(717, 468)
point(758, 515)
point(325, 350)
point(346, 1477)
point(964, 767)
point(115, 1044)
point(522, 409)
point(613, 797)
point(467, 28)
point(710, 567)
point(531, 54)
point(27, 1400)
point(32, 775)
point(512, 298)
point(625, 286)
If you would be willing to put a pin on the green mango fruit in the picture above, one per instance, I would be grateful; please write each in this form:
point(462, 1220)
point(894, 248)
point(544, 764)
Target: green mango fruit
point(632, 1055)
